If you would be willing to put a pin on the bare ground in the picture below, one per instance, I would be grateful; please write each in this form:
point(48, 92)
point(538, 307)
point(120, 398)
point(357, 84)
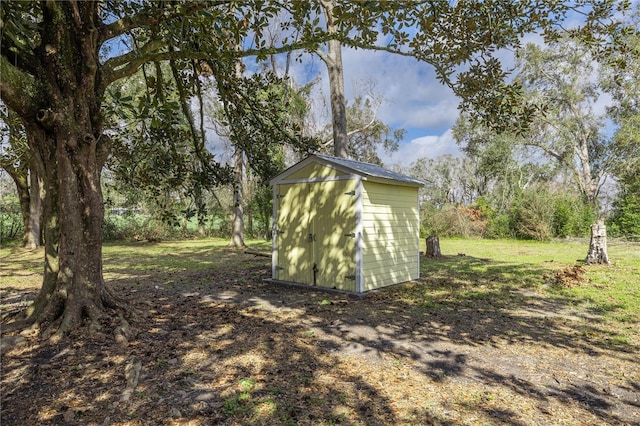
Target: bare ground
point(221, 347)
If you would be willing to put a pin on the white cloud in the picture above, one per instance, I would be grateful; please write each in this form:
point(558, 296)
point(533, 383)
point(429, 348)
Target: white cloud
point(413, 99)
point(413, 96)
point(430, 146)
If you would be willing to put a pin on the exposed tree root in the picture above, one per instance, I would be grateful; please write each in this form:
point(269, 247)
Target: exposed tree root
point(18, 323)
point(63, 315)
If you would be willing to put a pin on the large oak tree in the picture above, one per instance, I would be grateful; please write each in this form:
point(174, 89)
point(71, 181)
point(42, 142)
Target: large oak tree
point(58, 58)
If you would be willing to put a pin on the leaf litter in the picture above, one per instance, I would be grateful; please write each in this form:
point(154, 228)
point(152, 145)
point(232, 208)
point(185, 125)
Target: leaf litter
point(220, 346)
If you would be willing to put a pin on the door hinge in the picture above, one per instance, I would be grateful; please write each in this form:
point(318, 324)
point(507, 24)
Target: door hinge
point(279, 268)
point(350, 277)
point(350, 193)
point(279, 231)
point(352, 235)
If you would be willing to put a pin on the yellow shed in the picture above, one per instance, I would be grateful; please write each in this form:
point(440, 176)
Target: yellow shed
point(345, 225)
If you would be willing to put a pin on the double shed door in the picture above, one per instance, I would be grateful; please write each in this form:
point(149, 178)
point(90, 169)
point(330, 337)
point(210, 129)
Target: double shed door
point(315, 233)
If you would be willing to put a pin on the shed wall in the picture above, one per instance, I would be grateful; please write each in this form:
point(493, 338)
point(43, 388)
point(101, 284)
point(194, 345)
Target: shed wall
point(315, 171)
point(390, 235)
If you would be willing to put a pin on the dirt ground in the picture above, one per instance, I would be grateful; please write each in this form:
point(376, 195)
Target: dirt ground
point(218, 348)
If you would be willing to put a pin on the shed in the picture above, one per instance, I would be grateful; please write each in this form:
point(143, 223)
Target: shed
point(345, 225)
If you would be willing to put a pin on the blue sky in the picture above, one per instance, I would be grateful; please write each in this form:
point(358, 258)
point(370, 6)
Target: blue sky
point(413, 98)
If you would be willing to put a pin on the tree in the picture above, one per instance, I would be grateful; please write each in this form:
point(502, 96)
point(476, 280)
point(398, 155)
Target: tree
point(21, 166)
point(237, 225)
point(159, 158)
point(54, 79)
point(621, 77)
point(58, 58)
point(563, 78)
point(333, 60)
point(503, 163)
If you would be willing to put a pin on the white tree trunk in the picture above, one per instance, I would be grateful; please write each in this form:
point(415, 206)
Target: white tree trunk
point(333, 60)
point(598, 245)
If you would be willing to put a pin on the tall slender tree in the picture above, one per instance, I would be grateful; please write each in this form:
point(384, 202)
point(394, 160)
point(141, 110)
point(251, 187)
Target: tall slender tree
point(333, 60)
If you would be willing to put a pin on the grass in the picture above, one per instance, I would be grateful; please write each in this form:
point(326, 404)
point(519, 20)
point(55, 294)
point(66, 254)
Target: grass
point(471, 271)
point(21, 269)
point(499, 270)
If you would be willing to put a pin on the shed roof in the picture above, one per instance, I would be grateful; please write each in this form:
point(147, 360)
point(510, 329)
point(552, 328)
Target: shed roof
point(352, 166)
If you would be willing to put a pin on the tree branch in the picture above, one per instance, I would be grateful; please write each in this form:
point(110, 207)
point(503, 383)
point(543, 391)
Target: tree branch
point(353, 132)
point(128, 63)
point(17, 88)
point(147, 17)
point(322, 56)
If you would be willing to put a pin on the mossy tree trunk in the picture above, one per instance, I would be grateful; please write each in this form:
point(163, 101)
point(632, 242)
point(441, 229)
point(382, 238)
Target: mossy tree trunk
point(64, 126)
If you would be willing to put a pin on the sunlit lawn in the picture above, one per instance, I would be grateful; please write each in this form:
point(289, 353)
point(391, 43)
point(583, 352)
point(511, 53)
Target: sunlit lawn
point(497, 270)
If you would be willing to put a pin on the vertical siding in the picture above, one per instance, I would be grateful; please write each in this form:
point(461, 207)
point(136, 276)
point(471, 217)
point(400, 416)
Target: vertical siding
point(390, 235)
point(314, 235)
point(332, 211)
point(315, 171)
point(294, 253)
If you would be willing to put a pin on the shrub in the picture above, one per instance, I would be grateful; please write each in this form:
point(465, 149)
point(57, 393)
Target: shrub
point(498, 226)
point(531, 216)
point(626, 216)
point(137, 228)
point(450, 220)
point(572, 216)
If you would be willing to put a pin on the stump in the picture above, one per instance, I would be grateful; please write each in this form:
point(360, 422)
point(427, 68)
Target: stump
point(598, 245)
point(433, 247)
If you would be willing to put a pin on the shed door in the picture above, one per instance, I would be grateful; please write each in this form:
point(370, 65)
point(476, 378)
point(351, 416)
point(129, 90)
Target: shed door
point(295, 251)
point(316, 234)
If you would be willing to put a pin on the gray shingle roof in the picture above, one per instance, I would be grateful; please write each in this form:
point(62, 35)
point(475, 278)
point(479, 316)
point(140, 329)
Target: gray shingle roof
point(368, 169)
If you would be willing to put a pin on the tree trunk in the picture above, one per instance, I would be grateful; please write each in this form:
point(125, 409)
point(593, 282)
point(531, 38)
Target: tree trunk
point(201, 211)
point(20, 177)
point(237, 230)
point(333, 60)
point(33, 232)
point(237, 227)
point(64, 132)
point(338, 101)
point(598, 245)
point(433, 247)
point(73, 286)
